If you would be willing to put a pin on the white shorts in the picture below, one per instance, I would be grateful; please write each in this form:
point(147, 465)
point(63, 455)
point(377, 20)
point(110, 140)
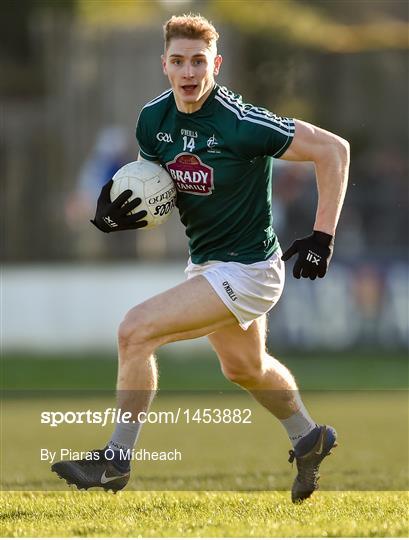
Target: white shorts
point(248, 290)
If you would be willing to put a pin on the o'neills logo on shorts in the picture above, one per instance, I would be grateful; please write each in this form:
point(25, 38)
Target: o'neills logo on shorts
point(229, 290)
point(191, 175)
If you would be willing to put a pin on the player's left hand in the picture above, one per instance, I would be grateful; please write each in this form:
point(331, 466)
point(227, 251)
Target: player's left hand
point(314, 254)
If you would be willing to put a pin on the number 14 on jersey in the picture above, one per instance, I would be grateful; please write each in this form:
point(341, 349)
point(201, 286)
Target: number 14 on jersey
point(188, 143)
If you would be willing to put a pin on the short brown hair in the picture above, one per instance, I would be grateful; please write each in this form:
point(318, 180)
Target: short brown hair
point(190, 27)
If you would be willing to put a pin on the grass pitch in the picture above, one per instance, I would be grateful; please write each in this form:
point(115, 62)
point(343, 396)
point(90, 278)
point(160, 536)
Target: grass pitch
point(248, 460)
point(192, 514)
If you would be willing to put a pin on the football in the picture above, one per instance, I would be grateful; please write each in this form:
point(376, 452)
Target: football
point(152, 184)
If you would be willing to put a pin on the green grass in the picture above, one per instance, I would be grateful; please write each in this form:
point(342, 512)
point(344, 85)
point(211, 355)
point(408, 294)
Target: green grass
point(203, 515)
point(185, 370)
point(363, 487)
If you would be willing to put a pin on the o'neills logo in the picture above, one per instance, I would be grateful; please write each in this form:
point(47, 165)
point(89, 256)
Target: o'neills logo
point(191, 175)
point(229, 290)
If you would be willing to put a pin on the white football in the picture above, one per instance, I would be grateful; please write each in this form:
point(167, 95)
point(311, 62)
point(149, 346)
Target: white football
point(152, 184)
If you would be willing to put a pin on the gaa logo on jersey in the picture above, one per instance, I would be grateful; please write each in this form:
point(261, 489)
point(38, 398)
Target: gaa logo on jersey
point(191, 175)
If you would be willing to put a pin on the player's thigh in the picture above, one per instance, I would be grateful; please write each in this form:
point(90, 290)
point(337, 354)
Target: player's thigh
point(189, 310)
point(238, 349)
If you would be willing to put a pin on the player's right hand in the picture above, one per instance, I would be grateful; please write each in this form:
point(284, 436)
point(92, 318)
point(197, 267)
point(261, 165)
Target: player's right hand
point(113, 216)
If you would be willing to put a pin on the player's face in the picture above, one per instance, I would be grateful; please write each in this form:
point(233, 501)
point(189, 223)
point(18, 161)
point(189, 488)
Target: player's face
point(190, 66)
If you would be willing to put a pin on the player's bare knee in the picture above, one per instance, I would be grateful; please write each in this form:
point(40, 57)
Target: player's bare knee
point(136, 330)
point(242, 373)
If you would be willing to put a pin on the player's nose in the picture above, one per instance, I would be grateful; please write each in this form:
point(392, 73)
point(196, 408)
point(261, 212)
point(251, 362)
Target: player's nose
point(188, 71)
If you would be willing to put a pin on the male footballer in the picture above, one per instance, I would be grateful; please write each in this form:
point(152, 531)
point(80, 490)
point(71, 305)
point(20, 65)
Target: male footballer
point(219, 153)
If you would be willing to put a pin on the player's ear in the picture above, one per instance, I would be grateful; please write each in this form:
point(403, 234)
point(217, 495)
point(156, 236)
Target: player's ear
point(163, 59)
point(217, 63)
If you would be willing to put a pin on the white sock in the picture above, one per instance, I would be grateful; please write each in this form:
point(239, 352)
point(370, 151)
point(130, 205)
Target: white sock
point(298, 425)
point(124, 436)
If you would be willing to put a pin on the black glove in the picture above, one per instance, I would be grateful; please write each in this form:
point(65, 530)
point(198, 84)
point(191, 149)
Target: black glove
point(113, 216)
point(314, 255)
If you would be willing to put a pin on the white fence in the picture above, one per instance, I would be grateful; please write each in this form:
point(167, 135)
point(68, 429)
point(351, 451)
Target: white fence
point(72, 308)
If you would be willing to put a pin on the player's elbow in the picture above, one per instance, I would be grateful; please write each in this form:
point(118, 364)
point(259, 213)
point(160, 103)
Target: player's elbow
point(344, 150)
point(335, 150)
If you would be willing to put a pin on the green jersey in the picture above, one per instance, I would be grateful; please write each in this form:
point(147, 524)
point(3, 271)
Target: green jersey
point(220, 158)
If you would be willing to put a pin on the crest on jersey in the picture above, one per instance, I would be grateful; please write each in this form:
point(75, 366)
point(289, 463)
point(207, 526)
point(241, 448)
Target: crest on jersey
point(212, 143)
point(191, 175)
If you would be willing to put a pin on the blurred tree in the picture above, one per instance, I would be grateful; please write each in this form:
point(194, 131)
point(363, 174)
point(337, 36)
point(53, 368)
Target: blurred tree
point(19, 57)
point(316, 24)
point(74, 65)
point(117, 13)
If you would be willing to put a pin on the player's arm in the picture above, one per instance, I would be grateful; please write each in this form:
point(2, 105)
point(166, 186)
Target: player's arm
point(330, 155)
point(114, 215)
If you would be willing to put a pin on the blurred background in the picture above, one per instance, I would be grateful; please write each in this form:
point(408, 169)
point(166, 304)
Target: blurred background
point(75, 74)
